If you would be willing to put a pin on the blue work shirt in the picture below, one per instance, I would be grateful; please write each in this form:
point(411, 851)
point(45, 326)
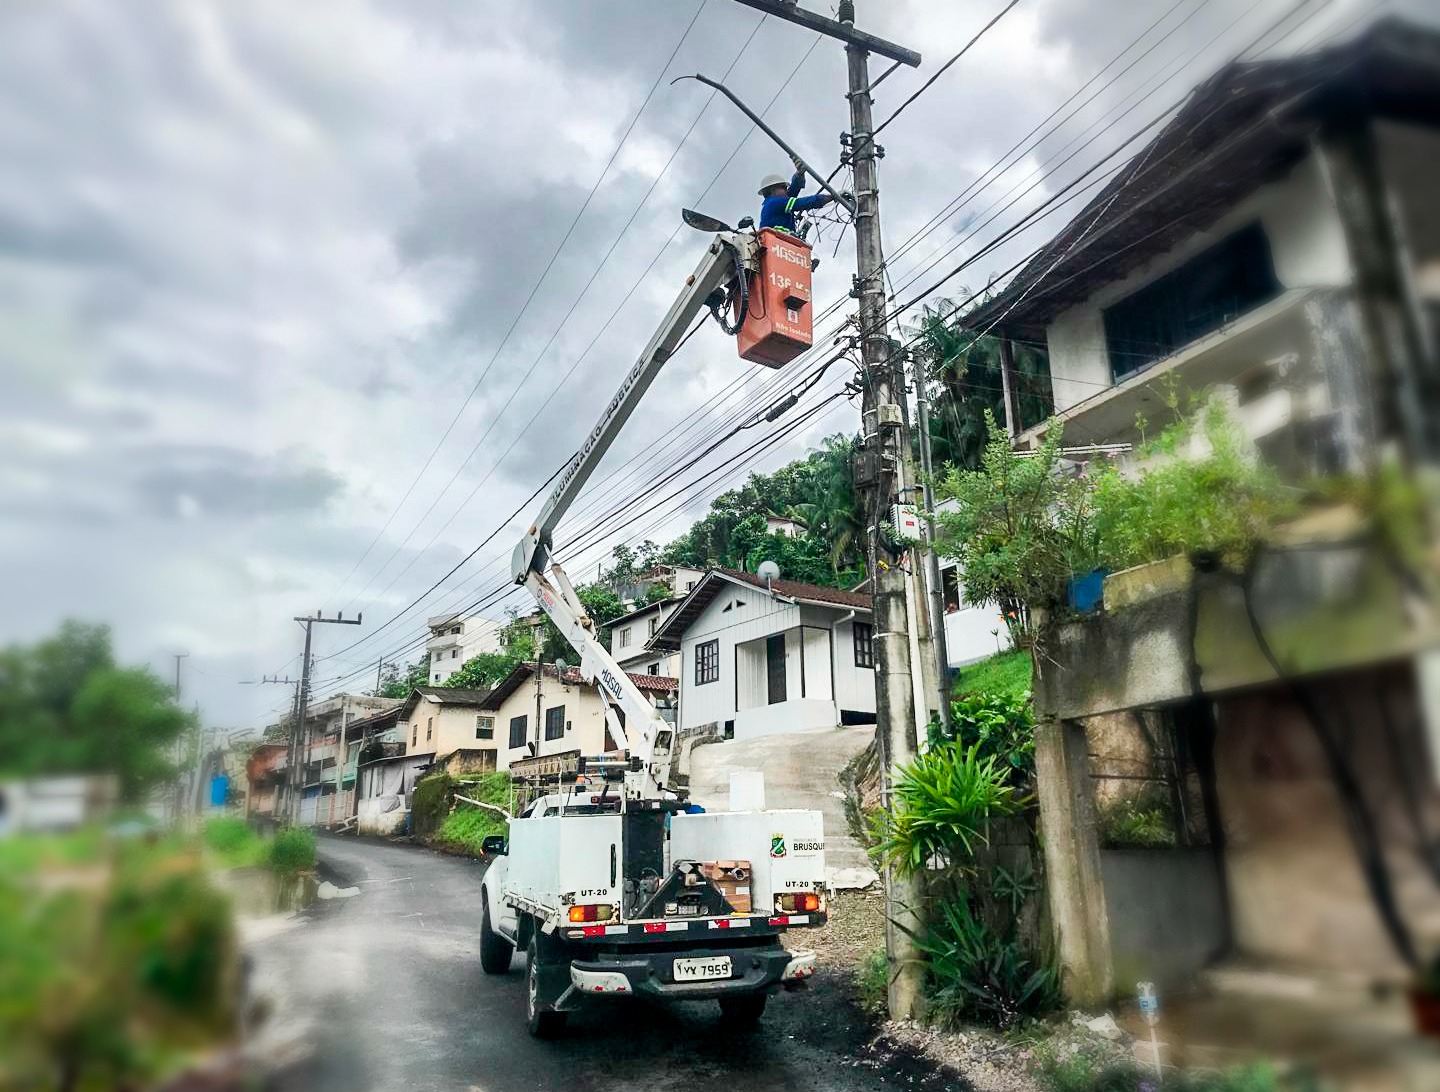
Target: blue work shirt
point(779, 212)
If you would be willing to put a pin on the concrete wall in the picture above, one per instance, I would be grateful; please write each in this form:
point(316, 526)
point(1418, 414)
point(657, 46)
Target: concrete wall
point(854, 685)
point(1306, 242)
point(1297, 889)
point(1166, 914)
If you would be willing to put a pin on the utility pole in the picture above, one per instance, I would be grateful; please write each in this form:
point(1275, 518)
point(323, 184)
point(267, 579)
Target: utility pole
point(927, 530)
point(379, 671)
point(885, 451)
point(299, 736)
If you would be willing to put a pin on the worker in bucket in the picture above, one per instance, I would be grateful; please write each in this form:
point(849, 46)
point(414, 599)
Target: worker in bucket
point(783, 200)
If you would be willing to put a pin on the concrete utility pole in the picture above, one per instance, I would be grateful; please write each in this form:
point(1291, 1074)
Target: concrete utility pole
point(932, 559)
point(299, 737)
point(886, 449)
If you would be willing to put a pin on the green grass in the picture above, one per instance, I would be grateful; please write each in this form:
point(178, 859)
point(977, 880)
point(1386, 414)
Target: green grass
point(1005, 672)
point(231, 843)
point(292, 850)
point(467, 826)
point(872, 982)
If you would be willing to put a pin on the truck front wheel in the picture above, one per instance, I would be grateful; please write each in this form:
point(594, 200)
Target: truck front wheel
point(744, 1010)
point(540, 1017)
point(495, 951)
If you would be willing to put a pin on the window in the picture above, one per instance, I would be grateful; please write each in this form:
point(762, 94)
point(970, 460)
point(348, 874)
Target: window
point(654, 625)
point(484, 727)
point(457, 629)
point(950, 578)
point(454, 653)
point(653, 669)
point(625, 637)
point(1235, 275)
point(414, 735)
point(555, 722)
point(864, 644)
point(437, 678)
point(707, 662)
point(518, 731)
point(429, 729)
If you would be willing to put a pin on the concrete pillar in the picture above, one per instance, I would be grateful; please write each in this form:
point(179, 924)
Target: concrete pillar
point(1072, 862)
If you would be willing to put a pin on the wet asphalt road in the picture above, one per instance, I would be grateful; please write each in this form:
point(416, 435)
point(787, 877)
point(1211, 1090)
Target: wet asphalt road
point(385, 991)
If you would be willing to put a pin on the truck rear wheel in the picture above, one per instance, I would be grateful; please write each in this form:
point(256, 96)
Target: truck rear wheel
point(744, 1010)
point(540, 1016)
point(495, 951)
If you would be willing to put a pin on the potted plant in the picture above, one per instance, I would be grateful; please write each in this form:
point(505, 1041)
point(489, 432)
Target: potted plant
point(1425, 999)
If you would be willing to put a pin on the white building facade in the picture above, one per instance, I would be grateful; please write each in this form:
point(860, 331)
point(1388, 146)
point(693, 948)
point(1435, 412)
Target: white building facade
point(455, 638)
point(758, 659)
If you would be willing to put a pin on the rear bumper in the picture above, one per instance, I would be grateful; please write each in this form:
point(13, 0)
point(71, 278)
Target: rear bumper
point(753, 970)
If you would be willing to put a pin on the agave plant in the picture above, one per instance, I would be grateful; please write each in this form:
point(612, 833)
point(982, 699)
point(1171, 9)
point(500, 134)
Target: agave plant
point(943, 804)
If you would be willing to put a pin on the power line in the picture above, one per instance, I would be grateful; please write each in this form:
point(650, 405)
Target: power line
point(533, 291)
point(942, 69)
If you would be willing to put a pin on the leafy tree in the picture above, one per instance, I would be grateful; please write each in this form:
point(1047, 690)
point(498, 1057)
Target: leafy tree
point(67, 707)
point(1019, 531)
point(482, 672)
point(964, 382)
point(397, 683)
point(817, 491)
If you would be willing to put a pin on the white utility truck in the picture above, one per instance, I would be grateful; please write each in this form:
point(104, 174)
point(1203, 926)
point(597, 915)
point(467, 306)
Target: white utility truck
point(615, 885)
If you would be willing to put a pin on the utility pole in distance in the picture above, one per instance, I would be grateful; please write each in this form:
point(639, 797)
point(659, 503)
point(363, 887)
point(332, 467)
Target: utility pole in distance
point(885, 448)
point(299, 737)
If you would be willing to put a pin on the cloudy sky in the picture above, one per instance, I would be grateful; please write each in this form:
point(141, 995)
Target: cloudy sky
point(286, 321)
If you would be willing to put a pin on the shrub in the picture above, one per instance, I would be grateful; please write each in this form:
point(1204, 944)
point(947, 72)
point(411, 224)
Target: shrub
point(431, 804)
point(292, 850)
point(873, 982)
point(976, 973)
point(1142, 821)
point(233, 842)
point(942, 805)
point(1000, 725)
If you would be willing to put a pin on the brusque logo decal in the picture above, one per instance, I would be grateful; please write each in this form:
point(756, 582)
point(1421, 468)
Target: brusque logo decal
point(777, 845)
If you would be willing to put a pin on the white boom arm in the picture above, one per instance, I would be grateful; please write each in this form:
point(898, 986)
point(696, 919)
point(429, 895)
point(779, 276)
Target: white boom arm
point(631, 717)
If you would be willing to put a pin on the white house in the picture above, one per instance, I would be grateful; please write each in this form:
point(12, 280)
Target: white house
point(455, 638)
point(630, 637)
point(1255, 259)
point(758, 658)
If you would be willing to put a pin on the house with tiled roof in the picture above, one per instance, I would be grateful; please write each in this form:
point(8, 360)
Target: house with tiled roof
point(558, 714)
point(758, 656)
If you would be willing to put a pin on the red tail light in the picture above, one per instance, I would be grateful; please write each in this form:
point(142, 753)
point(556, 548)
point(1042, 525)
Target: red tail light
point(798, 902)
point(595, 912)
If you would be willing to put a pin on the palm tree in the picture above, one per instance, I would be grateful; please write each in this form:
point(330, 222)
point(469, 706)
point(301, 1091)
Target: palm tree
point(965, 371)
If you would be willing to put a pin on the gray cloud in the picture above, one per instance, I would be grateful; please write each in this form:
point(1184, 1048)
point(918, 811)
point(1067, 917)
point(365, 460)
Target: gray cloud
point(253, 258)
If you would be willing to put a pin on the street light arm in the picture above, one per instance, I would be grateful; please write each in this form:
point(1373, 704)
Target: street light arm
point(848, 203)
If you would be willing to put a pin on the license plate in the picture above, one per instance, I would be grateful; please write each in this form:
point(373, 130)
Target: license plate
point(702, 970)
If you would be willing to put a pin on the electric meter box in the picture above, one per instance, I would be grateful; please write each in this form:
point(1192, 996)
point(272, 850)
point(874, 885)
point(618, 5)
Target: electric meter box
point(779, 324)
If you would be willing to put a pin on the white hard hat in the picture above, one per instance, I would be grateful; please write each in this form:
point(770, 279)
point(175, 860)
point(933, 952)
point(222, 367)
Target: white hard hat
point(770, 181)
